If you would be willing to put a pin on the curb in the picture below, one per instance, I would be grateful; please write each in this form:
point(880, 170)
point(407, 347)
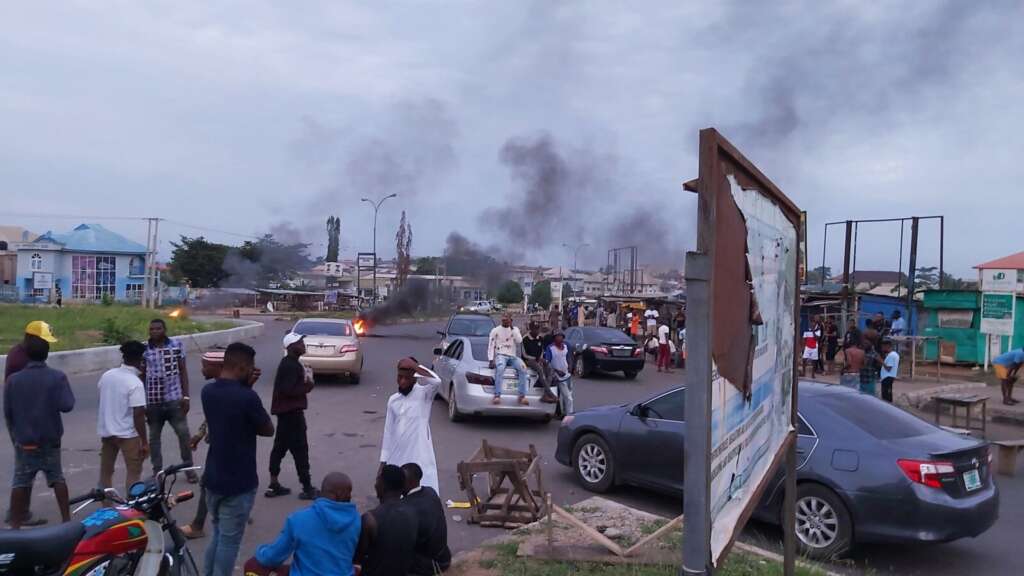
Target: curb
point(88, 360)
point(921, 397)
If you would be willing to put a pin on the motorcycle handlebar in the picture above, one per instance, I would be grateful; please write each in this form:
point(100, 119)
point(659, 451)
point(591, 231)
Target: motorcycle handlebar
point(96, 494)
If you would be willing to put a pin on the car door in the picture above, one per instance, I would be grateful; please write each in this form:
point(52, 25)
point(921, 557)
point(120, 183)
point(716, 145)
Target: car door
point(447, 364)
point(651, 441)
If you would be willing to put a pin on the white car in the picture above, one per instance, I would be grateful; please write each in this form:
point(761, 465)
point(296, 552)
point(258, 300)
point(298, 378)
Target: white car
point(484, 306)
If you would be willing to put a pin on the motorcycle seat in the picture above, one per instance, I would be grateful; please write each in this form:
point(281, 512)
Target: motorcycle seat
point(38, 550)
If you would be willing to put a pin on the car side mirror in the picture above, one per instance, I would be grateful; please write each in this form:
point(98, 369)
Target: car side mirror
point(640, 411)
point(438, 351)
point(441, 333)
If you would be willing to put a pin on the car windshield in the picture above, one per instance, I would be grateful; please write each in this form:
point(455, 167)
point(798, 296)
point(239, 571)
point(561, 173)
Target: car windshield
point(605, 335)
point(314, 328)
point(471, 326)
point(879, 419)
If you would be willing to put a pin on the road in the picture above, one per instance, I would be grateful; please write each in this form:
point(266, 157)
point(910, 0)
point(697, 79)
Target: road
point(345, 426)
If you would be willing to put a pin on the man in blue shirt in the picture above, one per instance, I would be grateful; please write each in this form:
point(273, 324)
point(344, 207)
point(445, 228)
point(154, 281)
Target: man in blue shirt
point(235, 417)
point(321, 539)
point(34, 399)
point(1007, 365)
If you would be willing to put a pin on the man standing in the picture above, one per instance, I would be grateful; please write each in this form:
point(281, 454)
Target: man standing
point(651, 316)
point(407, 422)
point(810, 355)
point(502, 351)
point(852, 365)
point(1006, 366)
point(34, 399)
point(58, 296)
point(664, 354)
point(234, 417)
point(533, 356)
point(387, 545)
point(320, 539)
point(852, 338)
point(121, 421)
point(898, 325)
point(559, 358)
point(167, 400)
point(432, 553)
point(554, 318)
point(890, 369)
point(291, 385)
point(869, 371)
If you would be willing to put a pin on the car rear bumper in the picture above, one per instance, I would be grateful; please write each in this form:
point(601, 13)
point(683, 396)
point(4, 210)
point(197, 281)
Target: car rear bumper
point(929, 515)
point(477, 400)
point(350, 363)
point(612, 364)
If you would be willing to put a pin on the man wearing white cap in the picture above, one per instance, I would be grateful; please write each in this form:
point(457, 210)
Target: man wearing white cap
point(291, 385)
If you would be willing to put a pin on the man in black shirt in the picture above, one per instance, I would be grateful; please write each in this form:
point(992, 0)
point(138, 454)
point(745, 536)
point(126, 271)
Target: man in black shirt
point(387, 542)
point(432, 553)
point(533, 356)
point(291, 385)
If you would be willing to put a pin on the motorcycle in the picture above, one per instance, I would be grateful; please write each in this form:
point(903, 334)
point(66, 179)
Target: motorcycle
point(125, 539)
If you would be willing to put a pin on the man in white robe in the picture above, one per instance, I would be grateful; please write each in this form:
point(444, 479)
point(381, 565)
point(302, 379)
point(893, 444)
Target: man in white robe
point(407, 423)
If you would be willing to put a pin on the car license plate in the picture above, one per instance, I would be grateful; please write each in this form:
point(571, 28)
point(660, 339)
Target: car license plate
point(972, 480)
point(621, 352)
point(510, 386)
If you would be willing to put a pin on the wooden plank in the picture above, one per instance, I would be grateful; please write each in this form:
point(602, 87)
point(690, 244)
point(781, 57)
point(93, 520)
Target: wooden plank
point(655, 536)
point(591, 533)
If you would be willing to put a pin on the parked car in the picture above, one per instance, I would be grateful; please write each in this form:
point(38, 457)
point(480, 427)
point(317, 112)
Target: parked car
point(467, 383)
point(483, 306)
point(332, 347)
point(867, 471)
point(471, 324)
point(605, 349)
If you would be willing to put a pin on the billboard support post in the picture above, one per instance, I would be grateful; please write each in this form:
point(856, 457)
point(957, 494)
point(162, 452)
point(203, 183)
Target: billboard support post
point(697, 527)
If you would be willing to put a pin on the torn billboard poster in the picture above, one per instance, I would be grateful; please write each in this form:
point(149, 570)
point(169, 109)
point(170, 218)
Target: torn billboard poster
point(752, 418)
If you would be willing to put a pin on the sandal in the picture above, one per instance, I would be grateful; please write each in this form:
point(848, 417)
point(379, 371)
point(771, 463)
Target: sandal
point(191, 532)
point(275, 490)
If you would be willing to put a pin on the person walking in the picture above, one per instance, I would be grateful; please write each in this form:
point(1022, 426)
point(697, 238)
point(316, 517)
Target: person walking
point(664, 351)
point(235, 417)
point(810, 355)
point(503, 351)
point(121, 418)
point(1006, 366)
point(559, 359)
point(871, 368)
point(34, 399)
point(167, 395)
point(407, 435)
point(533, 357)
point(292, 384)
point(212, 362)
point(890, 369)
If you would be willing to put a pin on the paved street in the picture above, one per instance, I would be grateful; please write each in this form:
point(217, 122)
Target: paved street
point(346, 422)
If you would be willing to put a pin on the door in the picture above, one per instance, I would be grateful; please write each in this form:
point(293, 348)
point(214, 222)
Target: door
point(652, 438)
point(446, 364)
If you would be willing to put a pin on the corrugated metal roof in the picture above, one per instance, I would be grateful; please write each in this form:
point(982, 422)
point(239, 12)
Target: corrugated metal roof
point(1011, 262)
point(94, 238)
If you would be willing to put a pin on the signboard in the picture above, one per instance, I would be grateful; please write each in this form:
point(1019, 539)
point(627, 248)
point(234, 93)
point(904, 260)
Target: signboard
point(42, 280)
point(999, 280)
point(997, 313)
point(742, 308)
point(366, 260)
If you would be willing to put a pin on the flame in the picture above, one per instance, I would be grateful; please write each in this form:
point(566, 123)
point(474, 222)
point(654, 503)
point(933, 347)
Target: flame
point(176, 313)
point(360, 326)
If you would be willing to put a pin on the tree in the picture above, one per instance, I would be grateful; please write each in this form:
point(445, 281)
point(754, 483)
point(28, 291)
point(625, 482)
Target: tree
point(264, 261)
point(510, 292)
point(198, 261)
point(403, 249)
point(950, 282)
point(816, 275)
point(427, 265)
point(541, 294)
point(333, 238)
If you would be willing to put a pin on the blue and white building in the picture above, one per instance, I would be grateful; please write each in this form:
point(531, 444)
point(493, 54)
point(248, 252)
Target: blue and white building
point(85, 264)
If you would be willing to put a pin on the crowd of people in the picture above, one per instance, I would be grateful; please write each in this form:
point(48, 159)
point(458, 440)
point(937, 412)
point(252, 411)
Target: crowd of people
point(405, 534)
point(870, 356)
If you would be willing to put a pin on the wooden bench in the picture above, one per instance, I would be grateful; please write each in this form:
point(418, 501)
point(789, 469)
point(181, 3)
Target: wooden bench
point(1007, 451)
point(966, 401)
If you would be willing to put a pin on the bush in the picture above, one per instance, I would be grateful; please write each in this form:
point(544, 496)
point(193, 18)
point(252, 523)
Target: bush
point(113, 332)
point(107, 299)
point(541, 294)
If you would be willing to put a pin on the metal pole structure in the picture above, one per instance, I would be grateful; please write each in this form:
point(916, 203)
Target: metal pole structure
point(899, 277)
point(154, 293)
point(942, 250)
point(376, 208)
point(697, 527)
point(824, 250)
point(145, 265)
point(846, 274)
point(913, 264)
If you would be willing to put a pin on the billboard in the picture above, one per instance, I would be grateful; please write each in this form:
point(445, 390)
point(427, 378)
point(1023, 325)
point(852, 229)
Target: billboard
point(42, 280)
point(742, 308)
point(997, 313)
point(1000, 280)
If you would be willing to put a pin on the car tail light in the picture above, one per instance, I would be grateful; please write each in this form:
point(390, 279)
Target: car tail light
point(926, 472)
point(599, 350)
point(348, 349)
point(474, 378)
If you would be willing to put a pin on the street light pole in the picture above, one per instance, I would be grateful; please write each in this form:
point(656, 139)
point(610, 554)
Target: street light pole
point(376, 208)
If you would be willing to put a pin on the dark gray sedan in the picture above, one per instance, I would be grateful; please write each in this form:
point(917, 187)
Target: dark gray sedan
point(867, 471)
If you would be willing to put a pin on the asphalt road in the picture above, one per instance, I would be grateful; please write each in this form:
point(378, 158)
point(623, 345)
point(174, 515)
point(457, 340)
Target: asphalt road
point(345, 426)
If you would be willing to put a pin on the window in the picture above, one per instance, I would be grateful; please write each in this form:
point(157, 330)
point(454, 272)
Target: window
point(37, 262)
point(133, 292)
point(317, 328)
point(92, 277)
point(137, 266)
point(670, 406)
point(802, 428)
point(879, 419)
point(3, 245)
point(38, 292)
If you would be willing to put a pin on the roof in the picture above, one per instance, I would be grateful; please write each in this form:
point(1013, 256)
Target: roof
point(1011, 262)
point(12, 234)
point(93, 238)
point(282, 292)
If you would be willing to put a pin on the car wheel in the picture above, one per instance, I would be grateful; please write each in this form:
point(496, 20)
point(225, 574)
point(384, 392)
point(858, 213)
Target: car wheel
point(581, 369)
point(453, 408)
point(353, 378)
point(593, 463)
point(630, 374)
point(823, 527)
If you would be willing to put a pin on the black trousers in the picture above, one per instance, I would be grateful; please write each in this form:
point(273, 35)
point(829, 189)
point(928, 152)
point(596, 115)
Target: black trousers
point(887, 389)
point(291, 437)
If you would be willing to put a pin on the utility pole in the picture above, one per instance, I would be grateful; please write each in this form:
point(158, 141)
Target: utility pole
point(575, 251)
point(376, 208)
point(150, 291)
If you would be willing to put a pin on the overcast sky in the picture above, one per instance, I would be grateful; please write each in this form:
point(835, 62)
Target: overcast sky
point(251, 116)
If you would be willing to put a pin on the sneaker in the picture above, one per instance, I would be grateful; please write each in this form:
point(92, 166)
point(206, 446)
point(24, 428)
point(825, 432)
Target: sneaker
point(549, 399)
point(309, 493)
point(275, 490)
point(496, 400)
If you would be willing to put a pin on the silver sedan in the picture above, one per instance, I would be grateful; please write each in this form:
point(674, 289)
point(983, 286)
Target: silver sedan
point(467, 384)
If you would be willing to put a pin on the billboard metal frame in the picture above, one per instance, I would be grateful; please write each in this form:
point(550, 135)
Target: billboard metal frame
point(718, 158)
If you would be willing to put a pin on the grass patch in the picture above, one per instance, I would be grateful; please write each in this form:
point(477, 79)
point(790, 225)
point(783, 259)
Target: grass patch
point(87, 326)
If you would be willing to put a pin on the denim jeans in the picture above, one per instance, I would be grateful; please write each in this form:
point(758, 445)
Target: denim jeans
point(230, 515)
point(565, 394)
point(167, 413)
point(514, 362)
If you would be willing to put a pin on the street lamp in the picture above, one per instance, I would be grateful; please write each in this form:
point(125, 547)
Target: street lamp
point(376, 208)
point(575, 251)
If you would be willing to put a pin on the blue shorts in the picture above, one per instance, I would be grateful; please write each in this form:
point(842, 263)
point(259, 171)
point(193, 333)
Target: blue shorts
point(28, 463)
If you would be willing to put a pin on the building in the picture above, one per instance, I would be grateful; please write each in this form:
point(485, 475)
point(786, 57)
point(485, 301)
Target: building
point(10, 236)
point(1008, 270)
point(86, 264)
point(877, 282)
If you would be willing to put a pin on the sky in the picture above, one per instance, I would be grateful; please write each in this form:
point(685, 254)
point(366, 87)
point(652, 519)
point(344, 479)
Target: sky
point(523, 126)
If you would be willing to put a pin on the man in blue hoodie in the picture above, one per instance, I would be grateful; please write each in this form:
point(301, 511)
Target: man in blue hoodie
point(322, 538)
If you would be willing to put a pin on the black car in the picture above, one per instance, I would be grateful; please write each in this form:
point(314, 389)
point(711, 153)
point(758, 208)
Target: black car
point(605, 349)
point(867, 471)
